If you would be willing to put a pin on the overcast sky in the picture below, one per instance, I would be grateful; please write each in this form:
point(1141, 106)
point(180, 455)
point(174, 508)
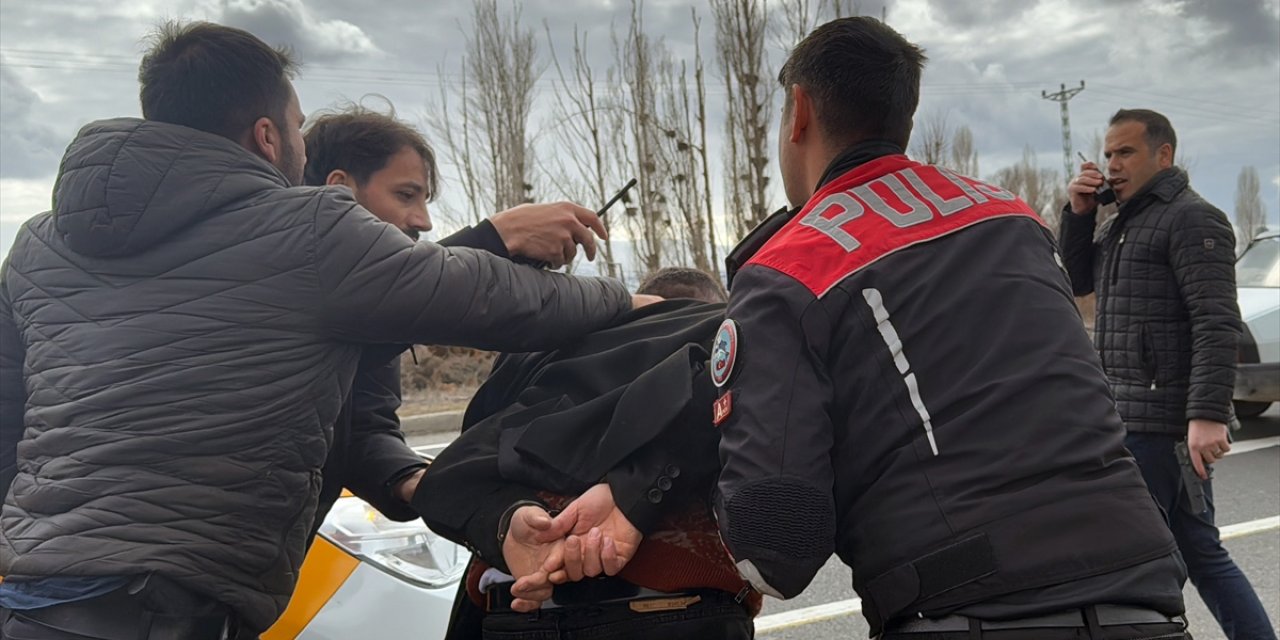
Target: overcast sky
point(1212, 66)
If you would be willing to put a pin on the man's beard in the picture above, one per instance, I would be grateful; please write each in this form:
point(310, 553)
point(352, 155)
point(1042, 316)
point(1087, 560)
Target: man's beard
point(290, 165)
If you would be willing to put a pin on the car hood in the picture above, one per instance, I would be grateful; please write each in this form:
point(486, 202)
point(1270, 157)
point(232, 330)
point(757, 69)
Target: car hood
point(1257, 301)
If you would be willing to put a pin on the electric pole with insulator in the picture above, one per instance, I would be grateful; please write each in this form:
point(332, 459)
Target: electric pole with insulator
point(1062, 97)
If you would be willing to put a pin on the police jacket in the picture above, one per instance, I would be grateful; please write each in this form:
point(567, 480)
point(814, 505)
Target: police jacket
point(176, 338)
point(906, 382)
point(1167, 323)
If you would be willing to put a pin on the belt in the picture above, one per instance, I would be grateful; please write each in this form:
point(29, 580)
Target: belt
point(498, 598)
point(1108, 615)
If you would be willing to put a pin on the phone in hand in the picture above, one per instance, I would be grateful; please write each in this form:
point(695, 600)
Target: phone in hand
point(1103, 194)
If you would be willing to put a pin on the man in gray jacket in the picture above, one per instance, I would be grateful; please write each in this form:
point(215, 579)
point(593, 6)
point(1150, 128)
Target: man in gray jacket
point(176, 338)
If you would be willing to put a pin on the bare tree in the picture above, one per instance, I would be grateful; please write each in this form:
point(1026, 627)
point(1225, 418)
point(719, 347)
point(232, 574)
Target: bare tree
point(500, 72)
point(455, 137)
point(700, 82)
point(931, 139)
point(964, 157)
point(1042, 189)
point(583, 168)
point(797, 18)
point(638, 65)
point(1251, 213)
point(741, 26)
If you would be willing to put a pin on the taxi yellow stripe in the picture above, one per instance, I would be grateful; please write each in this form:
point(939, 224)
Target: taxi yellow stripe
point(323, 572)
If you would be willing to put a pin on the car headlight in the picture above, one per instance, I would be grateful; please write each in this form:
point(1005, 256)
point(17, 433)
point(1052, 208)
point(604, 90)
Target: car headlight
point(408, 550)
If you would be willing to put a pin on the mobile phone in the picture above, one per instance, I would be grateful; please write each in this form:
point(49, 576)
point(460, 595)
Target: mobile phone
point(1103, 194)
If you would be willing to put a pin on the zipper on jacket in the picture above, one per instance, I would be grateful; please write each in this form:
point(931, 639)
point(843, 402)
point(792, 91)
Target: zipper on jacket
point(1115, 259)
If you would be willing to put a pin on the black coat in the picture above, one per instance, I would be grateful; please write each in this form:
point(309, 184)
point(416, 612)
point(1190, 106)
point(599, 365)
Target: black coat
point(629, 404)
point(1167, 324)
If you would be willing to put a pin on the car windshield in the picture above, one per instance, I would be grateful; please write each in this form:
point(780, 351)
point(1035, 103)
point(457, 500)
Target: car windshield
point(1259, 266)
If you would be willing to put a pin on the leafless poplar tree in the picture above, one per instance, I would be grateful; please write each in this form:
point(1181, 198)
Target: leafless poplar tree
point(500, 72)
point(1251, 213)
point(964, 157)
point(741, 27)
point(584, 168)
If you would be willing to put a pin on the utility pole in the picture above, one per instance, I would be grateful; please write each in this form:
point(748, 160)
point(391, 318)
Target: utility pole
point(1062, 97)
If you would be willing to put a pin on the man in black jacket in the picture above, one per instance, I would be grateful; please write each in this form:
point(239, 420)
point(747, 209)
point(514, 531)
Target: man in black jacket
point(622, 417)
point(905, 381)
point(1166, 328)
point(392, 172)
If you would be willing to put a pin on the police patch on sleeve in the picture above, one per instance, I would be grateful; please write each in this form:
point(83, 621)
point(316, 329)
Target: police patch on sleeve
point(724, 352)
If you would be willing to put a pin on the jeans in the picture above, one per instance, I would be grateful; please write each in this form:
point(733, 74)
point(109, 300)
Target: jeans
point(1223, 587)
point(716, 617)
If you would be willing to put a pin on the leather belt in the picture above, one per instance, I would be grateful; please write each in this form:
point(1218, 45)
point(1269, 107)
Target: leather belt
point(1108, 615)
point(498, 598)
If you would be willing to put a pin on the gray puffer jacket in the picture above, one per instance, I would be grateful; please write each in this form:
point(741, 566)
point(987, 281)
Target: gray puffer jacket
point(186, 327)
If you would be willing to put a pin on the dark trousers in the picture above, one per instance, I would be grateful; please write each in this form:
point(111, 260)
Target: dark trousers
point(142, 610)
point(716, 617)
point(1223, 587)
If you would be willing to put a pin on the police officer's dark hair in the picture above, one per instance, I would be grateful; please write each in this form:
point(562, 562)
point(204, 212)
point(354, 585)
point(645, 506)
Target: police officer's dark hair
point(683, 282)
point(213, 78)
point(863, 76)
point(360, 141)
point(1159, 129)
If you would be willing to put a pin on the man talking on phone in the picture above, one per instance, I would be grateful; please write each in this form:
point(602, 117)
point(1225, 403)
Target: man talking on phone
point(1167, 326)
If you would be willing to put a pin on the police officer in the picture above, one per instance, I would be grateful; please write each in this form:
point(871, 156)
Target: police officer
point(905, 381)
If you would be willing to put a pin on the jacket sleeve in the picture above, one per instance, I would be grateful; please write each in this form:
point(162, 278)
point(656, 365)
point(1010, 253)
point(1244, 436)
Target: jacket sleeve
point(1076, 240)
point(483, 236)
point(378, 454)
point(13, 390)
point(379, 286)
point(774, 502)
point(1202, 255)
point(463, 496)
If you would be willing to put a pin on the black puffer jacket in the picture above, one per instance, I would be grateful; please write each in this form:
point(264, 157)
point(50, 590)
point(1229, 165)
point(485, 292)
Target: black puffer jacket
point(1167, 322)
point(187, 327)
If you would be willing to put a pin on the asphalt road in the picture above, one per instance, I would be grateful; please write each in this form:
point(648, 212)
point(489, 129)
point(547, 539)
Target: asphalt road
point(1247, 495)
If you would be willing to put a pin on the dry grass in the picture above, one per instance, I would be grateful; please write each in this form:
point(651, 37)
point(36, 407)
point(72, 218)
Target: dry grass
point(442, 378)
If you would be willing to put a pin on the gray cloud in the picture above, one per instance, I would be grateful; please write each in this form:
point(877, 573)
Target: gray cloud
point(28, 147)
point(1246, 30)
point(290, 22)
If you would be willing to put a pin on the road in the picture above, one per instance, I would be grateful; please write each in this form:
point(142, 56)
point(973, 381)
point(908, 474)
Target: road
point(1247, 496)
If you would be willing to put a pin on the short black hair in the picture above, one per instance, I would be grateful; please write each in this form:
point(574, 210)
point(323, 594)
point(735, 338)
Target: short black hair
point(214, 78)
point(863, 76)
point(683, 282)
point(1159, 129)
point(360, 141)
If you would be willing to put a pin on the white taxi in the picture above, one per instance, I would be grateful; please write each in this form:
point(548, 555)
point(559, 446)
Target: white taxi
point(369, 578)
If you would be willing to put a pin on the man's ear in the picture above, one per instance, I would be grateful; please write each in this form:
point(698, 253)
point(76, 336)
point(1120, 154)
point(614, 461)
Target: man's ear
point(339, 177)
point(1164, 156)
point(801, 112)
point(266, 139)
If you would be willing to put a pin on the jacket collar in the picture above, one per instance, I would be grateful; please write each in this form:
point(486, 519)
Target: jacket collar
point(1163, 186)
point(848, 160)
point(856, 156)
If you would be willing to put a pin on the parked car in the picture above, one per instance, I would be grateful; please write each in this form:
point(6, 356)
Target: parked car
point(1258, 292)
point(367, 577)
